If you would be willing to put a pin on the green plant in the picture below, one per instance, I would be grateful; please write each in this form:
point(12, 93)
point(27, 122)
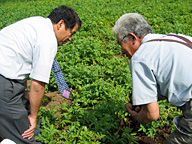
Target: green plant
point(98, 77)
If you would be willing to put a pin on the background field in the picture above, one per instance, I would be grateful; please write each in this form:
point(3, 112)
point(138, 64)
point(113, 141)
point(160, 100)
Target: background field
point(96, 73)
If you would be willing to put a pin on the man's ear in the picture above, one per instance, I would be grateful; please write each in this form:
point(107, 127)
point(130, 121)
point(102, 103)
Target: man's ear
point(135, 39)
point(132, 37)
point(60, 24)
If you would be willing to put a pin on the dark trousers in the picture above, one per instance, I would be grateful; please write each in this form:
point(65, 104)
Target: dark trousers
point(183, 123)
point(13, 115)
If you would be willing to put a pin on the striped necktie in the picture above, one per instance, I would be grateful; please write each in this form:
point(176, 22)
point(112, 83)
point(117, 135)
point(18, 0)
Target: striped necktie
point(61, 83)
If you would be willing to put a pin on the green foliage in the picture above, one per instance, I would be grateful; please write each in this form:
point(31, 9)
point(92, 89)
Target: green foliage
point(100, 81)
point(130, 136)
point(168, 112)
point(48, 132)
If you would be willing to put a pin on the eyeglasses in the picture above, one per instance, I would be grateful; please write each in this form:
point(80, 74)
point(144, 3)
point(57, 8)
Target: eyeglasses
point(119, 42)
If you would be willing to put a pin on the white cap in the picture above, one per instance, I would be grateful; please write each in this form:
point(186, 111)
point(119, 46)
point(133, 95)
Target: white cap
point(7, 141)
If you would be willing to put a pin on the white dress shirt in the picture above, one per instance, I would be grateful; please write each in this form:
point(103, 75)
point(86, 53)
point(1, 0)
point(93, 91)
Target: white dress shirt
point(28, 48)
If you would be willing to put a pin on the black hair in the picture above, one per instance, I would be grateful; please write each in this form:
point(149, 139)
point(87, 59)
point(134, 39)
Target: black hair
point(67, 14)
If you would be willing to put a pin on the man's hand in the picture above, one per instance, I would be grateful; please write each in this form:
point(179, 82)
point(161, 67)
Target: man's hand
point(134, 114)
point(36, 94)
point(32, 126)
point(149, 112)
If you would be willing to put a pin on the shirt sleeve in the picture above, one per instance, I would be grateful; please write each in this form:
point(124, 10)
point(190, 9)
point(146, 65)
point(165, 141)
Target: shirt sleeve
point(143, 83)
point(43, 56)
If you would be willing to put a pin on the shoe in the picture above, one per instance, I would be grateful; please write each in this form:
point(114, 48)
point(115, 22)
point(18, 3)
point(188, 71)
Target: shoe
point(7, 141)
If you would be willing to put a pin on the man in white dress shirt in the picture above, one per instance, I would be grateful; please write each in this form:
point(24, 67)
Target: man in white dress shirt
point(27, 49)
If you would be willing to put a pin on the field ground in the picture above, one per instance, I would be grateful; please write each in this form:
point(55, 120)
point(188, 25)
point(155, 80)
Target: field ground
point(55, 98)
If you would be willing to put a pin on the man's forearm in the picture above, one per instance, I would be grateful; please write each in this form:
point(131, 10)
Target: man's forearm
point(35, 97)
point(149, 112)
point(142, 118)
